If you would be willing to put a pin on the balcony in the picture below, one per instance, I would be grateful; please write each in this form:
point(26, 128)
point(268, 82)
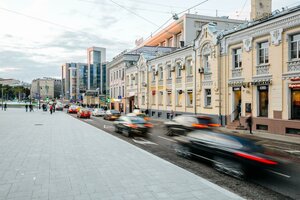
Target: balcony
point(189, 79)
point(294, 66)
point(160, 82)
point(178, 80)
point(237, 72)
point(262, 69)
point(169, 81)
point(207, 77)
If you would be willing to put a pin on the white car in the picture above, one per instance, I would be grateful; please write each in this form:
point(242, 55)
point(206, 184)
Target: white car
point(98, 112)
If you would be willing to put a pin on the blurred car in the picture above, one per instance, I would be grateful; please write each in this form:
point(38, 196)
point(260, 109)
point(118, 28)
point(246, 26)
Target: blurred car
point(112, 115)
point(84, 113)
point(230, 153)
point(128, 125)
point(72, 109)
point(66, 106)
point(141, 115)
point(59, 107)
point(98, 112)
point(183, 124)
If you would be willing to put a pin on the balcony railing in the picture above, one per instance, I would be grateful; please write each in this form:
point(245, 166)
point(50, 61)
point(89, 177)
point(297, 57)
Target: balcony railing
point(169, 81)
point(262, 69)
point(189, 79)
point(160, 82)
point(207, 77)
point(178, 80)
point(294, 66)
point(237, 72)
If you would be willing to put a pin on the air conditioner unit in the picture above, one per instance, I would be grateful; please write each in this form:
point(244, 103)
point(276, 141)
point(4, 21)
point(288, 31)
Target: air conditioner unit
point(144, 84)
point(201, 70)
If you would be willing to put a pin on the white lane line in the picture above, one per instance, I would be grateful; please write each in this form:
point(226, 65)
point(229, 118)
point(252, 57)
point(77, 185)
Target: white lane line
point(292, 151)
point(150, 133)
point(108, 126)
point(166, 139)
point(284, 175)
point(142, 141)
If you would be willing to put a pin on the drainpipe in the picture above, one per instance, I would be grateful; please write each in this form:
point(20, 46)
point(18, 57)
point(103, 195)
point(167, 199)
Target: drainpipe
point(219, 84)
point(195, 80)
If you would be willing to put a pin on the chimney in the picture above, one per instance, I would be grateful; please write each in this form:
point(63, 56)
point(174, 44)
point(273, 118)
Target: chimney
point(260, 9)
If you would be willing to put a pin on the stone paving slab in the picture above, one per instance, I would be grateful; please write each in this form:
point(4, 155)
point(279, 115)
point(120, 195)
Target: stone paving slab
point(54, 157)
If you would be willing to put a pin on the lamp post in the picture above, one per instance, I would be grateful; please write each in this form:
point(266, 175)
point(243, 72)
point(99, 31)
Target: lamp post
point(98, 97)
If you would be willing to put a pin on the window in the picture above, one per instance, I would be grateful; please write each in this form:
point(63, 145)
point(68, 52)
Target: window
point(263, 96)
point(153, 99)
point(237, 58)
point(179, 97)
point(178, 37)
point(295, 46)
point(169, 72)
point(143, 100)
point(160, 97)
point(142, 76)
point(122, 74)
point(161, 73)
point(189, 98)
point(123, 91)
point(206, 63)
point(263, 53)
point(153, 75)
point(207, 102)
point(170, 42)
point(178, 70)
point(189, 68)
point(169, 98)
point(295, 98)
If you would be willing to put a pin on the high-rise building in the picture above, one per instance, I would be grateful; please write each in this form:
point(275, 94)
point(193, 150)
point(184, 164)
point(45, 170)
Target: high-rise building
point(96, 57)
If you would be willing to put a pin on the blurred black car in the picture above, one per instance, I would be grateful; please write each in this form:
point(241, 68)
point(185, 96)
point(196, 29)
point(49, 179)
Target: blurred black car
point(128, 125)
point(230, 153)
point(183, 124)
point(111, 114)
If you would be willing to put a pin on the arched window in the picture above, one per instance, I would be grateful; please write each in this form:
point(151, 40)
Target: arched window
point(206, 54)
point(178, 69)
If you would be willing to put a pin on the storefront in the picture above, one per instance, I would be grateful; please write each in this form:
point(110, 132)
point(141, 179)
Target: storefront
point(263, 100)
point(295, 100)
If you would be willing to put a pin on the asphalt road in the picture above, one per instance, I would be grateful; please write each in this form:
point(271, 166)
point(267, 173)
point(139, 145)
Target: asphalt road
point(262, 186)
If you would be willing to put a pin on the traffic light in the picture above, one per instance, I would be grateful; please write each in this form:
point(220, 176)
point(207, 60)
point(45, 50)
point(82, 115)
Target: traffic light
point(108, 100)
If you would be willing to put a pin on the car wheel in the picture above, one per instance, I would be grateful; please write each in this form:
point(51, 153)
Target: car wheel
point(126, 132)
point(229, 167)
point(117, 130)
point(183, 151)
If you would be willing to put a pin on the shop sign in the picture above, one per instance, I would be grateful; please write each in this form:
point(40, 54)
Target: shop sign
point(294, 85)
point(263, 87)
point(236, 89)
point(295, 79)
point(261, 82)
point(119, 97)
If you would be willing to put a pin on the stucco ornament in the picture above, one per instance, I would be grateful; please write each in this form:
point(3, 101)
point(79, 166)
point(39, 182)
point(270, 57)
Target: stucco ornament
point(276, 36)
point(247, 44)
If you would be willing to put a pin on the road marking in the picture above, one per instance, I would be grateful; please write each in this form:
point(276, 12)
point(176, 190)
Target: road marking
point(284, 175)
point(108, 126)
point(150, 133)
point(292, 151)
point(88, 120)
point(140, 140)
point(166, 139)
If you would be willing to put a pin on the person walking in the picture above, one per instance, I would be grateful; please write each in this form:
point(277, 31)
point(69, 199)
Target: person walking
point(238, 108)
point(26, 107)
point(51, 109)
point(5, 106)
point(172, 114)
point(249, 123)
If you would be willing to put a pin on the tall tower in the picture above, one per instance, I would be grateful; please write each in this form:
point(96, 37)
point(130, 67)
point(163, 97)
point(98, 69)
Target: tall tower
point(96, 56)
point(260, 8)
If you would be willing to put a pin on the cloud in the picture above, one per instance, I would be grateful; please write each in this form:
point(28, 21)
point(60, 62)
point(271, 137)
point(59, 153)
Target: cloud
point(8, 69)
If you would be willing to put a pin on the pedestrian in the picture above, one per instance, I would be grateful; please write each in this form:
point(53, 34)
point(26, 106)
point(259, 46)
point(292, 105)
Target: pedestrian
point(30, 107)
point(172, 114)
point(26, 107)
point(51, 109)
point(5, 106)
point(147, 112)
point(249, 123)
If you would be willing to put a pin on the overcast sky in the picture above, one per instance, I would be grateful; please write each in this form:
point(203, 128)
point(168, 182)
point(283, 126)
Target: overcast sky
point(38, 36)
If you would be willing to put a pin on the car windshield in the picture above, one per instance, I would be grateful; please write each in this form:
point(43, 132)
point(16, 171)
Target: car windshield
point(115, 112)
point(137, 120)
point(203, 120)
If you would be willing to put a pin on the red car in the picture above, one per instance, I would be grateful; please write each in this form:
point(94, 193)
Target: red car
point(72, 109)
point(84, 113)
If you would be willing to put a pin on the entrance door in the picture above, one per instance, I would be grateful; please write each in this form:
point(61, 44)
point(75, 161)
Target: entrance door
point(131, 104)
point(263, 95)
point(295, 103)
point(237, 99)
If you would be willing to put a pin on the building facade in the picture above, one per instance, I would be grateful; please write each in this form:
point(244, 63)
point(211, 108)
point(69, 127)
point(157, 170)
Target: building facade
point(45, 88)
point(96, 59)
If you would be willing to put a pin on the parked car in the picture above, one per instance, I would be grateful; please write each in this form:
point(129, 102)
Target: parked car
point(84, 113)
point(230, 153)
point(183, 124)
point(98, 112)
point(59, 107)
point(128, 125)
point(112, 115)
point(73, 109)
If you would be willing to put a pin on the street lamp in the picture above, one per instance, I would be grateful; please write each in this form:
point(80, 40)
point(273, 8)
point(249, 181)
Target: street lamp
point(98, 97)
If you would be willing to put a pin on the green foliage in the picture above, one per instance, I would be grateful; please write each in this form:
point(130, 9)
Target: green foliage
point(11, 93)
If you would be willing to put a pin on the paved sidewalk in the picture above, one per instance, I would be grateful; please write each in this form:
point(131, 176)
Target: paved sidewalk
point(45, 156)
point(284, 138)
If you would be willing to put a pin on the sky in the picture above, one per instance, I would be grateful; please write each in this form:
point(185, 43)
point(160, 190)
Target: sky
point(38, 36)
